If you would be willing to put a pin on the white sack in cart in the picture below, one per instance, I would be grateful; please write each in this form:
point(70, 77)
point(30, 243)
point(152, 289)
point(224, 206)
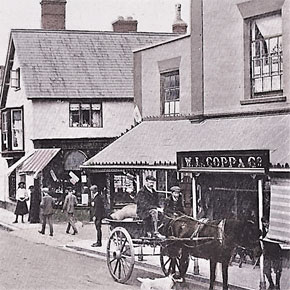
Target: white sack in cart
point(128, 211)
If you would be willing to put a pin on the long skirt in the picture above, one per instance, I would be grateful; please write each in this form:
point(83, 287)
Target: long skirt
point(21, 208)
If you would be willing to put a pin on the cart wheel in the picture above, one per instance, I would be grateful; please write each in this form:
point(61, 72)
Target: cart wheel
point(174, 263)
point(120, 255)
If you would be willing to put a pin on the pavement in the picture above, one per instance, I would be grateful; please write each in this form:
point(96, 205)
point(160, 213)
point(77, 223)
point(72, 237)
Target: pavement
point(244, 278)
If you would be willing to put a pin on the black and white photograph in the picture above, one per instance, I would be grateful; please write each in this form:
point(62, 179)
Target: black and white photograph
point(145, 144)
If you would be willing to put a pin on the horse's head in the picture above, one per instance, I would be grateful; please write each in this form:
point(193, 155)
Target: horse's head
point(250, 237)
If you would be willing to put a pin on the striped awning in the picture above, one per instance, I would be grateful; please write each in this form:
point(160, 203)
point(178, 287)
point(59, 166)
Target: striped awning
point(38, 160)
point(279, 228)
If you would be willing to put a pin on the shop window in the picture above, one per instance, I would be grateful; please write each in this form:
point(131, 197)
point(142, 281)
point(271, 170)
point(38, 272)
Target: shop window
point(170, 94)
point(15, 79)
point(17, 129)
point(266, 56)
point(85, 115)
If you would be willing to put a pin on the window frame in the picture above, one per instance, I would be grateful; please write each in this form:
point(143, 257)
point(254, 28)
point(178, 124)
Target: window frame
point(15, 80)
point(171, 88)
point(7, 145)
point(261, 59)
point(21, 146)
point(81, 116)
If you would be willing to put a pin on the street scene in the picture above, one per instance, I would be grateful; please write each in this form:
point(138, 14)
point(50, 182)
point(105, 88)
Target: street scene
point(145, 144)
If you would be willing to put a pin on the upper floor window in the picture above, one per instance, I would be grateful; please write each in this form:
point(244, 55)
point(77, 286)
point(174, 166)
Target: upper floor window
point(12, 130)
point(4, 130)
point(266, 56)
point(85, 115)
point(15, 79)
point(170, 93)
point(17, 129)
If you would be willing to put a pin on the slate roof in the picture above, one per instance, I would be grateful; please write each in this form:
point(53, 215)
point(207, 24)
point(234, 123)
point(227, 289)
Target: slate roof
point(154, 143)
point(79, 64)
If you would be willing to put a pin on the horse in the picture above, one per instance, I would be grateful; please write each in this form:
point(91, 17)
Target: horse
point(213, 240)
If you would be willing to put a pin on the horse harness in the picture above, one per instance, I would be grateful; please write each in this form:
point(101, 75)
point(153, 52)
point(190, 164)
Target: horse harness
point(201, 224)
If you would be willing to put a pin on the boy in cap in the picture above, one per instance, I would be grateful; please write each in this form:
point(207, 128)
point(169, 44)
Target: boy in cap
point(148, 203)
point(173, 205)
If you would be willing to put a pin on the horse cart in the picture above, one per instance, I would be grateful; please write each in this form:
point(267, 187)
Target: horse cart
point(128, 239)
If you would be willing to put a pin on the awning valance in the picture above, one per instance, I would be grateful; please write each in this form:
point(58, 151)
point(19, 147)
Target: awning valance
point(155, 143)
point(34, 161)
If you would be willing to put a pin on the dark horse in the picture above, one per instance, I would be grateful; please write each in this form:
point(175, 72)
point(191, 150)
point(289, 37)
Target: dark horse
point(214, 240)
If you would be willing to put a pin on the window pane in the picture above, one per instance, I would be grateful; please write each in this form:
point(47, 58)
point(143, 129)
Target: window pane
point(267, 84)
point(96, 107)
point(171, 108)
point(276, 83)
point(74, 115)
point(85, 117)
point(166, 108)
point(258, 85)
point(17, 131)
point(177, 111)
point(96, 118)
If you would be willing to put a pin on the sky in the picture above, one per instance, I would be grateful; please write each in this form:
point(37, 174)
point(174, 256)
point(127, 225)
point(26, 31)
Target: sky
point(152, 15)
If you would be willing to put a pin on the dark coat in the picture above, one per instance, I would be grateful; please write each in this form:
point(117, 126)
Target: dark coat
point(146, 201)
point(171, 206)
point(47, 205)
point(98, 209)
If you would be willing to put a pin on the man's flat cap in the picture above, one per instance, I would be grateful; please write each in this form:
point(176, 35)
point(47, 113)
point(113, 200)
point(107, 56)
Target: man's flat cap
point(175, 188)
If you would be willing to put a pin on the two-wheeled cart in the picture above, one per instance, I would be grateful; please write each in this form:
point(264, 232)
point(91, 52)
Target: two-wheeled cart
point(128, 239)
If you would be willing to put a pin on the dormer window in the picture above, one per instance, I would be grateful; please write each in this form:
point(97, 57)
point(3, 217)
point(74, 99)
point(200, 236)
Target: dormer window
point(15, 79)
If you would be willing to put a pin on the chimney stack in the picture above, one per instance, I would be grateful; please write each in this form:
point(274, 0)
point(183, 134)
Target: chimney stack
point(179, 26)
point(125, 25)
point(53, 14)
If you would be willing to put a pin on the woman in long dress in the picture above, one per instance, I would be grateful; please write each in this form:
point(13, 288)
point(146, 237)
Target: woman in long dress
point(21, 205)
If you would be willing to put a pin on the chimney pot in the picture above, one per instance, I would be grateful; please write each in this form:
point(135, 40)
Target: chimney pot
point(179, 26)
point(125, 25)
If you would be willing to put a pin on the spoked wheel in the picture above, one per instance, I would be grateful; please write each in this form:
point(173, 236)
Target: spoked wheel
point(120, 255)
point(174, 261)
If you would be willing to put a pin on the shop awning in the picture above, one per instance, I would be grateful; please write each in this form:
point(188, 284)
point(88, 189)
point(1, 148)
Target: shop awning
point(153, 144)
point(279, 228)
point(35, 161)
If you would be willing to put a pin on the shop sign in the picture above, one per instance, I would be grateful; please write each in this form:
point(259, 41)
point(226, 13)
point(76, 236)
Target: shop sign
point(247, 159)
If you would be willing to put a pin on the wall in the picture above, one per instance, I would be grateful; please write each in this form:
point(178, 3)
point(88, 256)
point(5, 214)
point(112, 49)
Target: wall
point(223, 47)
point(150, 74)
point(18, 99)
point(51, 120)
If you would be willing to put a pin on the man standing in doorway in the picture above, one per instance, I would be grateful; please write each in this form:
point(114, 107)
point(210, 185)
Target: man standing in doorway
point(69, 206)
point(98, 213)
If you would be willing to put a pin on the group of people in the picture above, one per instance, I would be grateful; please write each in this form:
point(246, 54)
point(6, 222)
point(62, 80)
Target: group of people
point(21, 209)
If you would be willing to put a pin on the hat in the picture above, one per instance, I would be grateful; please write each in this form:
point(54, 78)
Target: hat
point(45, 190)
point(175, 188)
point(150, 177)
point(94, 187)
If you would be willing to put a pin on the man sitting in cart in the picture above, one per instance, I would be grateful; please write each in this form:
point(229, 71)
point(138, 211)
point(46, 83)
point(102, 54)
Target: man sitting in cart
point(148, 205)
point(173, 205)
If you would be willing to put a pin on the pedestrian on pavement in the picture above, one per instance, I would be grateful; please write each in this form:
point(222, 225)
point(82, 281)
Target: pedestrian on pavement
point(21, 205)
point(69, 206)
point(147, 206)
point(98, 205)
point(34, 210)
point(47, 205)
